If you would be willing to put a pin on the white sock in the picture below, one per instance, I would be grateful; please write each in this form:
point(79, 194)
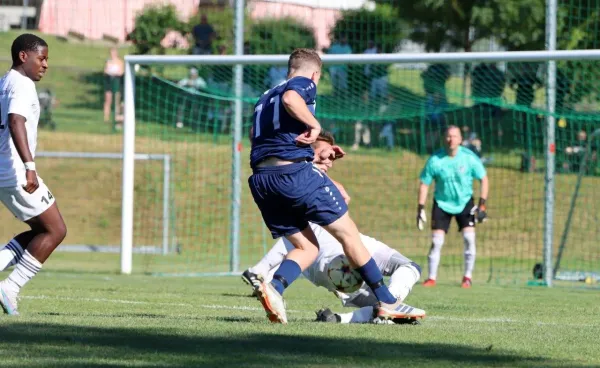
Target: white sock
point(10, 255)
point(267, 266)
point(437, 242)
point(469, 239)
point(361, 315)
point(402, 281)
point(27, 267)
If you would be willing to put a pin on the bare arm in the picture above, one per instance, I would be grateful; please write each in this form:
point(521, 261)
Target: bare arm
point(484, 187)
point(296, 106)
point(421, 217)
point(18, 132)
point(423, 189)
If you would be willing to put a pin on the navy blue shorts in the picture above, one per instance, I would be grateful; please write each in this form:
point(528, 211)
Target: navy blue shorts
point(290, 196)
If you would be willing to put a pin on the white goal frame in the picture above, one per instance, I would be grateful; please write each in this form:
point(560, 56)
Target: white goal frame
point(165, 246)
point(549, 57)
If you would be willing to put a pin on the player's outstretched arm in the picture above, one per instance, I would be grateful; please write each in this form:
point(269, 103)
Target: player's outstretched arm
point(485, 187)
point(18, 132)
point(295, 105)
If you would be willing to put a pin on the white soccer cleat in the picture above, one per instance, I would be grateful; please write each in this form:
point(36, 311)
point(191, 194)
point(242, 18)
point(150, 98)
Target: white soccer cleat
point(398, 310)
point(273, 303)
point(8, 301)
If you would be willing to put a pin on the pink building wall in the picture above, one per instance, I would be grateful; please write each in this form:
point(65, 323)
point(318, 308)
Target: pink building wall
point(95, 18)
point(321, 20)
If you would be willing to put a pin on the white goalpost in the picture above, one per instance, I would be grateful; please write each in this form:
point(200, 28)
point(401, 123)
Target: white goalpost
point(129, 128)
point(164, 247)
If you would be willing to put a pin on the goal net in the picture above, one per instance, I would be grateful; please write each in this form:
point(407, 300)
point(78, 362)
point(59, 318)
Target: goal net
point(388, 112)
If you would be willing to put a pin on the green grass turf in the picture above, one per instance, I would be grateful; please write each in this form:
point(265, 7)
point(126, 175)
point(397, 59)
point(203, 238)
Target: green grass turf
point(95, 318)
point(105, 320)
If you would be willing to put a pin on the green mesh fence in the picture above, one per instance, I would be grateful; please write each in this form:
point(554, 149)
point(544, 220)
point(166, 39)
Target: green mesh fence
point(389, 124)
point(388, 118)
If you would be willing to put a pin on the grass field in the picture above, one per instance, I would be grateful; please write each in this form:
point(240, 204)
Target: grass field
point(79, 312)
point(105, 320)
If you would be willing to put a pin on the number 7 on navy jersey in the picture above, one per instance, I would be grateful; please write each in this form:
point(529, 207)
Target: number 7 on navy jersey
point(274, 121)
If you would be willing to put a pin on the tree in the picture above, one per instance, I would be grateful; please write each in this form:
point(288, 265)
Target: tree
point(151, 27)
point(520, 25)
point(280, 36)
point(436, 23)
point(380, 25)
point(275, 36)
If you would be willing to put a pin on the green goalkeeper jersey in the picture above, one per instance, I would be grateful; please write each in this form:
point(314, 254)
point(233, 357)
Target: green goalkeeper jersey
point(453, 178)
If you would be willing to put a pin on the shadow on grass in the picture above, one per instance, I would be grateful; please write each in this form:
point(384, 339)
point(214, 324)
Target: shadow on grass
point(94, 96)
point(74, 346)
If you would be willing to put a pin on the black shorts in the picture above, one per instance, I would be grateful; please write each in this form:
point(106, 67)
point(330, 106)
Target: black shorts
point(440, 219)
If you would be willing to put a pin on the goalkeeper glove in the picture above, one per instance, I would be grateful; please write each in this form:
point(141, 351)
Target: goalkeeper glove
point(479, 211)
point(421, 217)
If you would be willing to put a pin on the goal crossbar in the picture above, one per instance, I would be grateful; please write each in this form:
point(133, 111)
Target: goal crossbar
point(404, 58)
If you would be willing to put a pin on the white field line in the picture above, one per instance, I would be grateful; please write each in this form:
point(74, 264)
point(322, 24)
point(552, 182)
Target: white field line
point(495, 320)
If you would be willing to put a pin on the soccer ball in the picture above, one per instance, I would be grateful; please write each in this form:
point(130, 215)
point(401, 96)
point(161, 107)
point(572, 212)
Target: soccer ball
point(343, 277)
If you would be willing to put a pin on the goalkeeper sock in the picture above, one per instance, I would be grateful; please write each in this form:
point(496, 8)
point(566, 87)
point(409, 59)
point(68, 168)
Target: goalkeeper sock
point(268, 264)
point(11, 254)
point(403, 280)
point(287, 273)
point(437, 242)
point(361, 315)
point(371, 274)
point(469, 240)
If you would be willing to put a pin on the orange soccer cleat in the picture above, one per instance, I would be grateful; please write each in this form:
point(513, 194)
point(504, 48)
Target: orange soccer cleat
point(429, 283)
point(466, 283)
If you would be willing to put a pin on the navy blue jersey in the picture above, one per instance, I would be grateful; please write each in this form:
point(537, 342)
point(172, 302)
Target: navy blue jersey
point(274, 130)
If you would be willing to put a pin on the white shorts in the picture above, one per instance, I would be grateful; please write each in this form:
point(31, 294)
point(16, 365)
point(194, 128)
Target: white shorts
point(26, 206)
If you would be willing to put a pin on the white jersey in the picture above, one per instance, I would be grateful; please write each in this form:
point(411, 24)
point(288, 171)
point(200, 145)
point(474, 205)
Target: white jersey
point(17, 96)
point(329, 248)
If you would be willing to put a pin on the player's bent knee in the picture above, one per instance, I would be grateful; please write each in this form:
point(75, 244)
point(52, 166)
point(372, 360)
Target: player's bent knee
point(417, 267)
point(60, 232)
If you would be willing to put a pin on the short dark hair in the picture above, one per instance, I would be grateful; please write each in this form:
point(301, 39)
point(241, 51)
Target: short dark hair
point(326, 136)
point(26, 42)
point(452, 127)
point(301, 57)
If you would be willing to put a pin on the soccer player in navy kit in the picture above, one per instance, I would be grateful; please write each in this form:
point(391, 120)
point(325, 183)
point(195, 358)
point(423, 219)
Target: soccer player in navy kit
point(290, 191)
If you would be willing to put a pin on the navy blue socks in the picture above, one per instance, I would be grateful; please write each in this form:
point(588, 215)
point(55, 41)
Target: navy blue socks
point(287, 273)
point(372, 276)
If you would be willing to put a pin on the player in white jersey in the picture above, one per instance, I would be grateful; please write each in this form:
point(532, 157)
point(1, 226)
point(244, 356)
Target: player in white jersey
point(22, 191)
point(402, 271)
